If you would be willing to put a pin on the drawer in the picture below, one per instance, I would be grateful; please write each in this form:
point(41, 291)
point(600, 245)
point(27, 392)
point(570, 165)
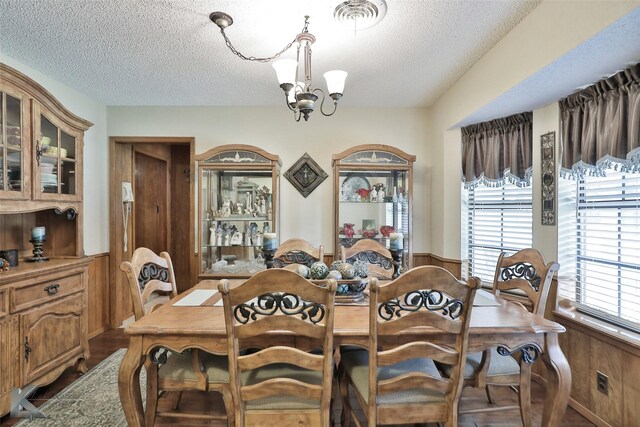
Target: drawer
point(4, 302)
point(31, 293)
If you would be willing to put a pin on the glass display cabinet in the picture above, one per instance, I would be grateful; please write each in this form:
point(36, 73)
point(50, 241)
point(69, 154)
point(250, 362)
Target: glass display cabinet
point(237, 205)
point(373, 198)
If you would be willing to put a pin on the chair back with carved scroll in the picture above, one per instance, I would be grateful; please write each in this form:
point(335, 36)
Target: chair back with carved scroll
point(526, 273)
point(295, 252)
point(377, 257)
point(396, 380)
point(148, 274)
point(281, 384)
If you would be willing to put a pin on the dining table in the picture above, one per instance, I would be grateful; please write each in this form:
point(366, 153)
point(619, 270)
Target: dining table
point(195, 319)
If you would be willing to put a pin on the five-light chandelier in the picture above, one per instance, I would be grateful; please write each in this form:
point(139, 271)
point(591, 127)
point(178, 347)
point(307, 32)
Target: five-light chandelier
point(299, 95)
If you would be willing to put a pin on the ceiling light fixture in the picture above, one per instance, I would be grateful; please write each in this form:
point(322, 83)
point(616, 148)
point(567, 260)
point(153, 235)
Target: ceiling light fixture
point(299, 96)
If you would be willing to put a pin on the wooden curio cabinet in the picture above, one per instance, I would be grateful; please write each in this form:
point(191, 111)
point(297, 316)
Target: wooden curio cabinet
point(43, 318)
point(238, 193)
point(373, 197)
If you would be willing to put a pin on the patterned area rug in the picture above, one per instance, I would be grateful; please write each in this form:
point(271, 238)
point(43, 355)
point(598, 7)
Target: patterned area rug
point(90, 401)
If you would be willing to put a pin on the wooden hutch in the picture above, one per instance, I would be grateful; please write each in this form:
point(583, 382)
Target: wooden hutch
point(43, 318)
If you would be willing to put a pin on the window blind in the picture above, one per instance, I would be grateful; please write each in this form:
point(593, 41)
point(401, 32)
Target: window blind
point(599, 245)
point(495, 219)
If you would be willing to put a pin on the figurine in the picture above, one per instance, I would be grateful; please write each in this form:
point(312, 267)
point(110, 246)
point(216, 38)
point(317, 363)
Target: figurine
point(373, 196)
point(219, 236)
point(226, 208)
point(239, 208)
point(262, 205)
point(212, 236)
point(248, 203)
point(381, 194)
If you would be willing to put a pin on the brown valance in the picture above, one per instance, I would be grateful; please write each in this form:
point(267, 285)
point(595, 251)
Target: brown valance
point(601, 125)
point(498, 149)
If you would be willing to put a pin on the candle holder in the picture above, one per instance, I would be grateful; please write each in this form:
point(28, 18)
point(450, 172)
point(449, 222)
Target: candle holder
point(37, 251)
point(268, 256)
point(396, 255)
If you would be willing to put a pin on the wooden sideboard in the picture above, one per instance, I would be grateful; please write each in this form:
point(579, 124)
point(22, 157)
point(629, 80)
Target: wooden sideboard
point(43, 323)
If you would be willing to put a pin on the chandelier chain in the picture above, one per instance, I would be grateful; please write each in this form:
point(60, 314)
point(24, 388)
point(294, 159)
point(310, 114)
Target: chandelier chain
point(262, 59)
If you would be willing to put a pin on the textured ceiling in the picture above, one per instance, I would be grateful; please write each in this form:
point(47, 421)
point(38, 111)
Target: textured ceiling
point(168, 52)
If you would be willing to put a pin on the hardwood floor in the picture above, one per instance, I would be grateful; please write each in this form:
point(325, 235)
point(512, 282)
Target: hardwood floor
point(105, 344)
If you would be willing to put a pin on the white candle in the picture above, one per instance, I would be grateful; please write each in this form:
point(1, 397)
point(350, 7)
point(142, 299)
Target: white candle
point(269, 241)
point(395, 241)
point(37, 233)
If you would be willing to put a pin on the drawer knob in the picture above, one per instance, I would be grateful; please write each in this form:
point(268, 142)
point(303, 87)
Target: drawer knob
point(52, 289)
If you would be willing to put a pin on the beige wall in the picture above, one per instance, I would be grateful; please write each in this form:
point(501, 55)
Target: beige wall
point(274, 130)
point(552, 30)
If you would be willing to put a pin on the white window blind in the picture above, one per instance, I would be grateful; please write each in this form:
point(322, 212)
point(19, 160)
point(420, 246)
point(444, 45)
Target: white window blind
point(599, 246)
point(495, 219)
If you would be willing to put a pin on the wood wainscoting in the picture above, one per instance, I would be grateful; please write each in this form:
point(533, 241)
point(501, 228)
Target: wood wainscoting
point(98, 295)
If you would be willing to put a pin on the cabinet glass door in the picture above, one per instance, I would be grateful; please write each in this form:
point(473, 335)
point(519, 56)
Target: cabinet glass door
point(237, 209)
point(373, 198)
point(373, 204)
point(12, 158)
point(56, 160)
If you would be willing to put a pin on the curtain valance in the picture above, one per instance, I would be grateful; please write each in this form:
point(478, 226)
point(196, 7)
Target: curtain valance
point(601, 126)
point(497, 150)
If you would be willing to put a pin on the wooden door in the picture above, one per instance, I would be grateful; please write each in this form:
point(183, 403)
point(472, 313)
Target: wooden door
point(150, 206)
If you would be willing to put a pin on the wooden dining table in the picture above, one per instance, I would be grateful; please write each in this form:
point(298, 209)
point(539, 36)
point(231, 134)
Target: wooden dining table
point(494, 322)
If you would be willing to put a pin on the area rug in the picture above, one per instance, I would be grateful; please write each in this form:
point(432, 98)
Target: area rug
point(90, 401)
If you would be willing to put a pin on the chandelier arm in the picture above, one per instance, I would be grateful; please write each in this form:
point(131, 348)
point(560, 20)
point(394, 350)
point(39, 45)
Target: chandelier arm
point(253, 58)
point(335, 104)
point(286, 101)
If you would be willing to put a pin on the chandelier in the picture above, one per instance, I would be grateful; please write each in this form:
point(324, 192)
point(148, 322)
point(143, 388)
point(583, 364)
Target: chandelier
point(300, 97)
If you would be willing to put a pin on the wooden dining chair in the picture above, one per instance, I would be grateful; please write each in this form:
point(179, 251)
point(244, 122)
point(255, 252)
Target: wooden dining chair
point(295, 252)
point(525, 279)
point(377, 257)
point(148, 275)
point(395, 380)
point(281, 385)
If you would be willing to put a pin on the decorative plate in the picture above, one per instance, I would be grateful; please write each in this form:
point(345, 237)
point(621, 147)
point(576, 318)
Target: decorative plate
point(351, 185)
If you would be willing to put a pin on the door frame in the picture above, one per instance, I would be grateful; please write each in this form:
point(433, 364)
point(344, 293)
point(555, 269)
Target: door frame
point(119, 295)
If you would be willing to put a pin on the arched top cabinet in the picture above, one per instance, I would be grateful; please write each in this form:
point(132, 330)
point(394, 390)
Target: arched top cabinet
point(238, 194)
point(373, 198)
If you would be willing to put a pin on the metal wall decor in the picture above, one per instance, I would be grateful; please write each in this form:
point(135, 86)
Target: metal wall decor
point(547, 143)
point(305, 175)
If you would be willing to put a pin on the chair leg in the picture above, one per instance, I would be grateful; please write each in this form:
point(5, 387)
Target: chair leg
point(175, 405)
point(152, 393)
point(228, 405)
point(488, 392)
point(525, 393)
point(343, 385)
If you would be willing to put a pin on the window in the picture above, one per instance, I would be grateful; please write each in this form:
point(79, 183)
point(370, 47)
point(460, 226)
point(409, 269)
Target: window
point(599, 245)
point(494, 219)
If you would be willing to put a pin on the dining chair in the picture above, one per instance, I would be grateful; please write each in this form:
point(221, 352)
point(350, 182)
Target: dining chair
point(281, 385)
point(525, 279)
point(395, 380)
point(377, 257)
point(149, 275)
point(295, 252)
